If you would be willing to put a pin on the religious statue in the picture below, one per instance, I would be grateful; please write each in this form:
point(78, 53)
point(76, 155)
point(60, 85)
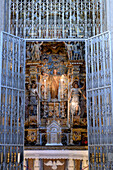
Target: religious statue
point(36, 51)
point(69, 50)
point(75, 102)
point(54, 84)
point(33, 94)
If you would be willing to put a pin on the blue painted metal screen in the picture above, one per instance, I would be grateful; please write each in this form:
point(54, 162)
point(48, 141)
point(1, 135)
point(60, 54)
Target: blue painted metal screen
point(99, 101)
point(12, 76)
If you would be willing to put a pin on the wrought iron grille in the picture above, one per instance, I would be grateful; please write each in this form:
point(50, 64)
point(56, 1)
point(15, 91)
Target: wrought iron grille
point(12, 102)
point(55, 18)
point(99, 101)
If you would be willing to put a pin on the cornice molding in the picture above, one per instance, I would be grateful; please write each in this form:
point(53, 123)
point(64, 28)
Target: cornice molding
point(56, 154)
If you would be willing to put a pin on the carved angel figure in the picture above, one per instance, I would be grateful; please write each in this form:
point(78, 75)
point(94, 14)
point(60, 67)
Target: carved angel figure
point(75, 103)
point(54, 164)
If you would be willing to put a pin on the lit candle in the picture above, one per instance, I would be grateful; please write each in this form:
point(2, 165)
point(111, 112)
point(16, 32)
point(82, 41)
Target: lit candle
point(59, 91)
point(45, 89)
point(18, 157)
point(62, 86)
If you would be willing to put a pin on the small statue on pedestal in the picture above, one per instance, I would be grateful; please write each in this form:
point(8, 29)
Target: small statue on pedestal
point(36, 51)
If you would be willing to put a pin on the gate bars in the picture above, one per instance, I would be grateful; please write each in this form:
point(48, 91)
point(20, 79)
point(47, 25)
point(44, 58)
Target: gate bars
point(46, 19)
point(99, 101)
point(12, 101)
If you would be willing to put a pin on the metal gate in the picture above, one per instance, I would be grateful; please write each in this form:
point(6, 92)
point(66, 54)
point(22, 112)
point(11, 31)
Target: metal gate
point(40, 19)
point(12, 86)
point(99, 101)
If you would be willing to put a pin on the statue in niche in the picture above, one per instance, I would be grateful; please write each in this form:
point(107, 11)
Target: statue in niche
point(33, 94)
point(75, 102)
point(54, 84)
point(36, 51)
point(69, 50)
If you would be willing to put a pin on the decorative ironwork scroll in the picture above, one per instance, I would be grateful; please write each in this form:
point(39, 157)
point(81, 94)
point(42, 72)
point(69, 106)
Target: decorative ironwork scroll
point(45, 19)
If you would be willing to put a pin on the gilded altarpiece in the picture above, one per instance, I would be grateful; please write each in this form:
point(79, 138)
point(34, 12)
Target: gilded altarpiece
point(55, 92)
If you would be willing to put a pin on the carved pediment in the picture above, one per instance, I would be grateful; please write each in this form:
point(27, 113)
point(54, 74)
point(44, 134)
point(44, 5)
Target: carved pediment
point(54, 127)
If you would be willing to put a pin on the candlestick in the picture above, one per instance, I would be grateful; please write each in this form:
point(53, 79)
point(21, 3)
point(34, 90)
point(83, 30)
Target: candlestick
point(45, 89)
point(62, 87)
